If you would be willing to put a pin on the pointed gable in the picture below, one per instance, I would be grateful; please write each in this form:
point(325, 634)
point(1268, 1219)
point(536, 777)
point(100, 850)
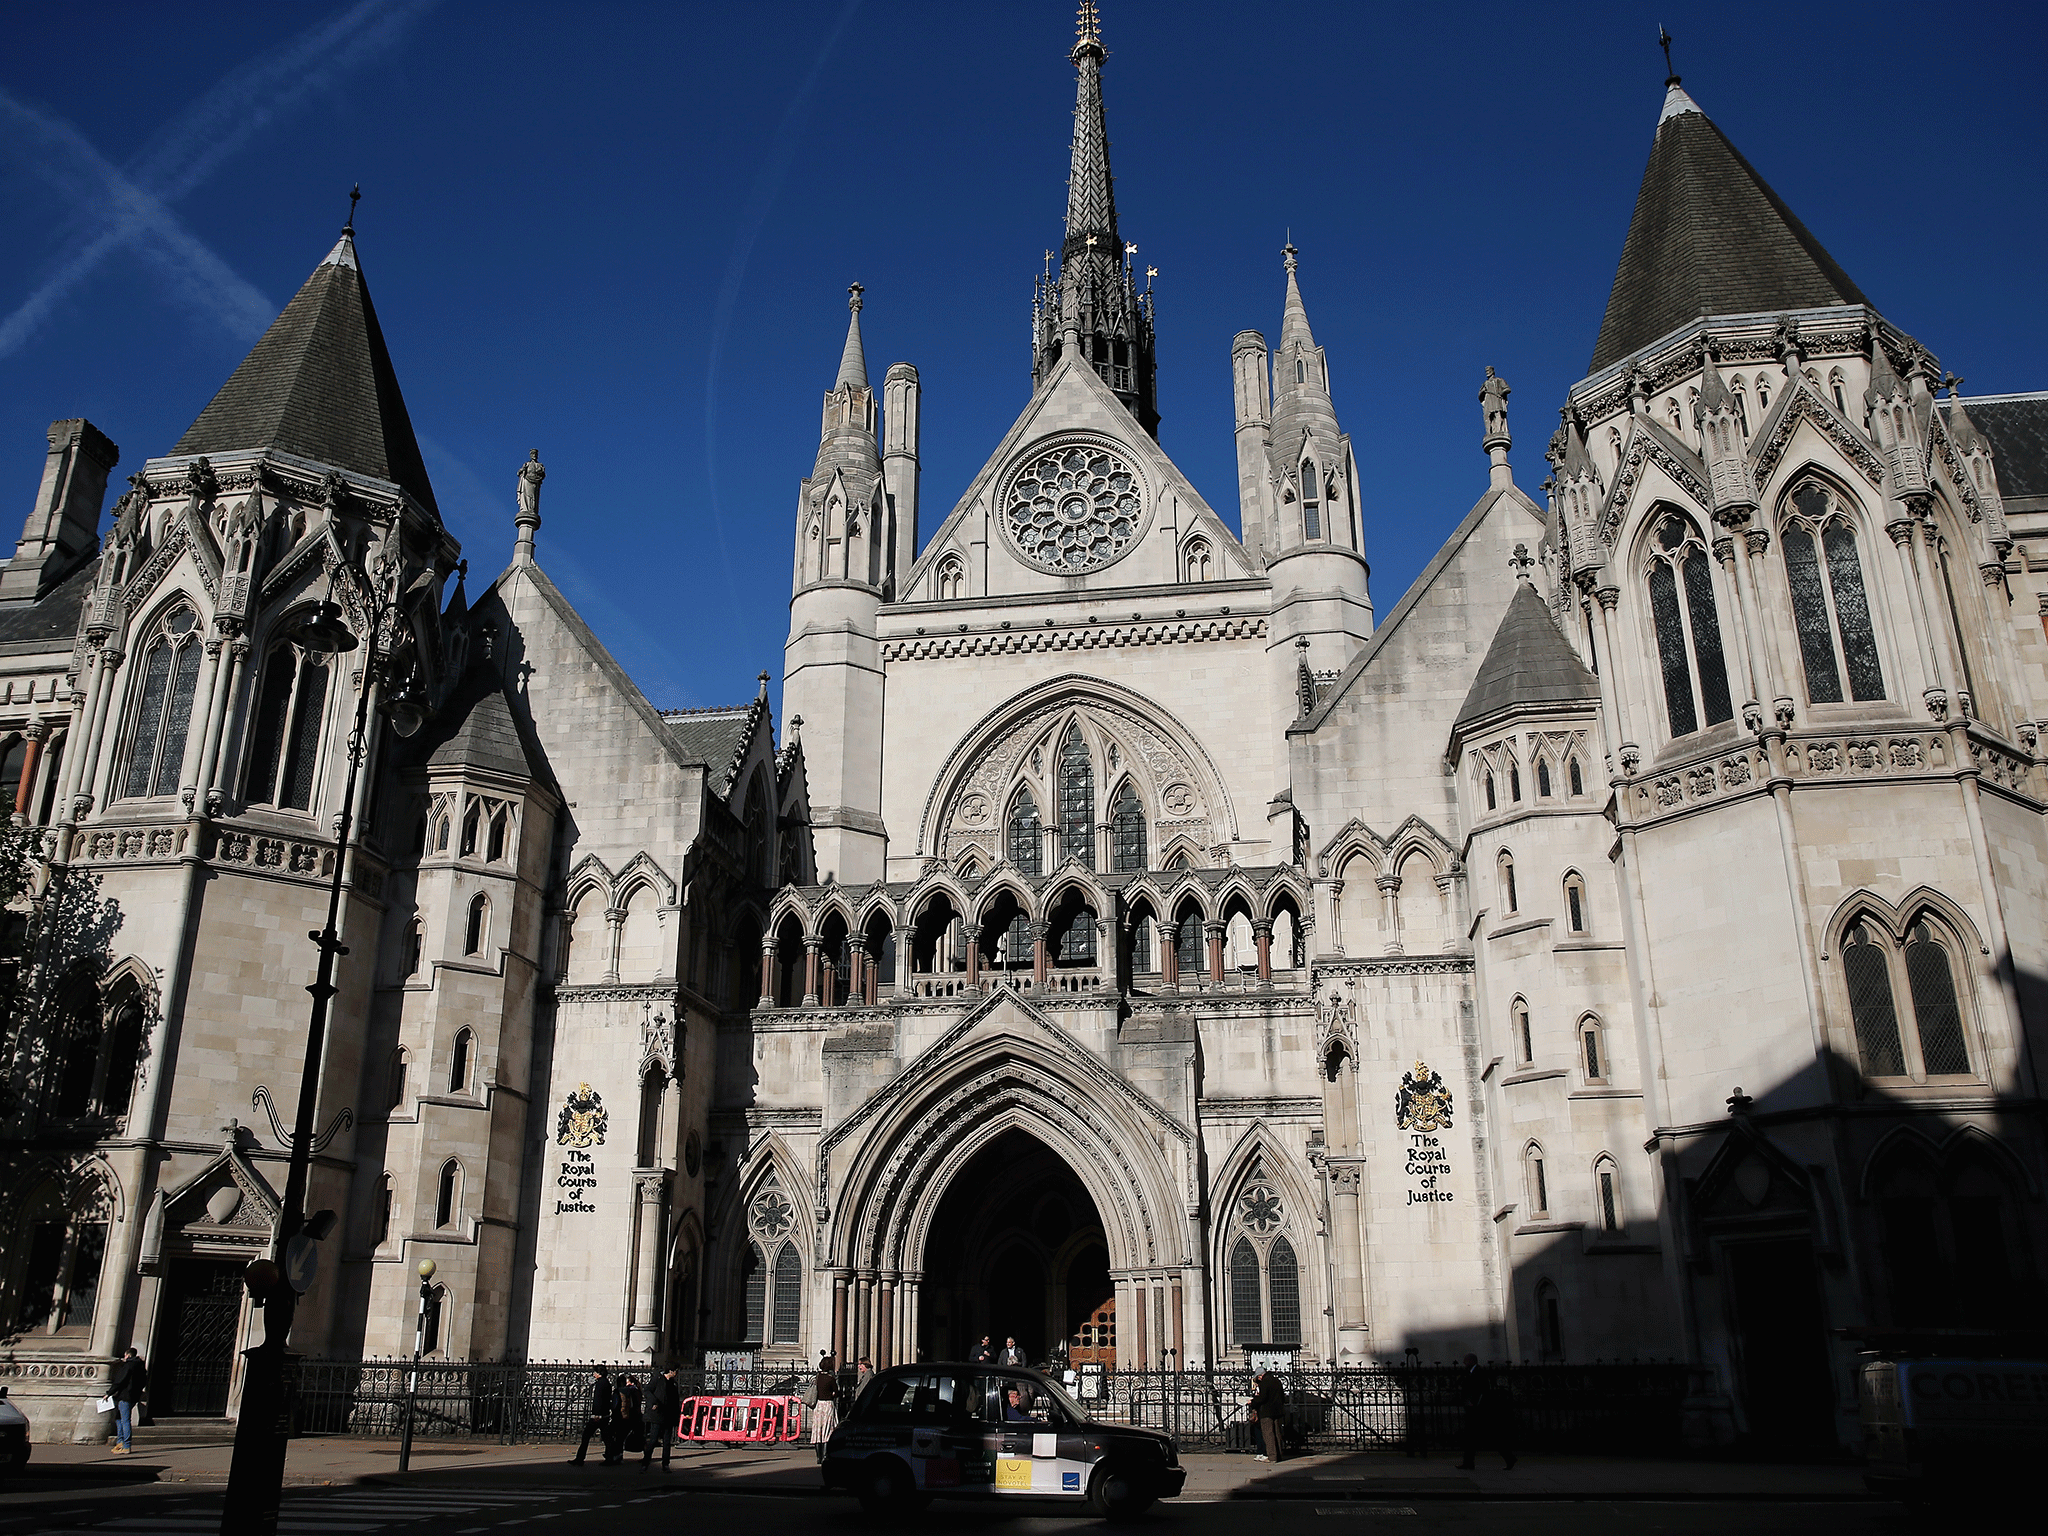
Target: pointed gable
point(320, 385)
point(1709, 237)
point(1528, 663)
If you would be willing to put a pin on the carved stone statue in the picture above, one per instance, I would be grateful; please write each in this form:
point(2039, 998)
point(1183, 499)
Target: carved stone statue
point(1493, 400)
point(530, 476)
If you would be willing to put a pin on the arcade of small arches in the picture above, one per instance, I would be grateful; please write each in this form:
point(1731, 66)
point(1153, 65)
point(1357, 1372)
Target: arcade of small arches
point(1172, 930)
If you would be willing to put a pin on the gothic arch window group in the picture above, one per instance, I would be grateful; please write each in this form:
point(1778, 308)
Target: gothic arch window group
point(1831, 610)
point(284, 745)
point(1263, 1272)
point(168, 679)
point(1905, 1004)
point(1679, 580)
point(772, 1268)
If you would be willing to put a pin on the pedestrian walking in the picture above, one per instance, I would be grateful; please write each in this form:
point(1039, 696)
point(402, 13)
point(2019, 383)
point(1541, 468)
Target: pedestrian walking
point(599, 1418)
point(664, 1413)
point(130, 1377)
point(1488, 1415)
point(1269, 1408)
point(983, 1353)
point(627, 1423)
point(863, 1377)
point(822, 1398)
point(1011, 1355)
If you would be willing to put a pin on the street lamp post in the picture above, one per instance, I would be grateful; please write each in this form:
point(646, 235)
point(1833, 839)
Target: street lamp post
point(419, 1347)
point(256, 1473)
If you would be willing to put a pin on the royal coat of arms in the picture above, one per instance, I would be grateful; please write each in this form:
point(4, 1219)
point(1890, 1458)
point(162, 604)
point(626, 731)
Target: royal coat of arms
point(1424, 1103)
point(583, 1119)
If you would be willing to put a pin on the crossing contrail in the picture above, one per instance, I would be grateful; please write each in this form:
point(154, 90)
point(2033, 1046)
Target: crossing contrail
point(118, 208)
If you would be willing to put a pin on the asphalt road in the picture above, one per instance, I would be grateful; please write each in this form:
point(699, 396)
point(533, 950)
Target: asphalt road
point(587, 1504)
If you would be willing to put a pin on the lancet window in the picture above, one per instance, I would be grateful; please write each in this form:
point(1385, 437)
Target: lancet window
point(1264, 1271)
point(170, 676)
point(1681, 586)
point(284, 748)
point(1077, 799)
point(1027, 844)
point(772, 1269)
point(1830, 605)
point(1127, 830)
point(1934, 1045)
point(1311, 501)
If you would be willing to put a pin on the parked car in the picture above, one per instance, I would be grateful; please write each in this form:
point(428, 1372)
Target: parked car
point(992, 1432)
point(13, 1435)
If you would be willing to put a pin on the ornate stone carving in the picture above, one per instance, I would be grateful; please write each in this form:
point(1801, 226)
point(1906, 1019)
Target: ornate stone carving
point(1074, 507)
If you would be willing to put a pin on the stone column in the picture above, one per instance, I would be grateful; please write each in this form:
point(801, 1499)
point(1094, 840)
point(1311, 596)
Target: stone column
point(615, 928)
point(1215, 931)
point(913, 1310)
point(1169, 956)
point(1628, 753)
point(90, 793)
point(24, 794)
point(1346, 1177)
point(1178, 1311)
point(650, 1188)
point(1038, 957)
point(1390, 911)
point(972, 933)
point(864, 1317)
point(856, 973)
point(1141, 1354)
point(839, 1317)
point(1262, 930)
point(1454, 928)
point(1322, 919)
point(767, 999)
point(211, 794)
point(200, 721)
point(1935, 693)
point(811, 948)
point(1105, 854)
point(1747, 667)
point(885, 1322)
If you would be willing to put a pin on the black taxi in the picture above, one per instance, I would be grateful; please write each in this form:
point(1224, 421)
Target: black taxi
point(993, 1432)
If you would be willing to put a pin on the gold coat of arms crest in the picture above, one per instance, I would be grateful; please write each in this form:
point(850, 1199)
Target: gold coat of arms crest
point(1423, 1102)
point(583, 1119)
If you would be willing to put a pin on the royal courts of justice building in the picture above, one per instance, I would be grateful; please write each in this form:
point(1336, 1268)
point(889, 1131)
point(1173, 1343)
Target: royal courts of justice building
point(1631, 942)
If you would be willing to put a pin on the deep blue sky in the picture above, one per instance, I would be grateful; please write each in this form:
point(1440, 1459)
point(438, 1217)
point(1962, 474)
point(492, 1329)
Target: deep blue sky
point(622, 233)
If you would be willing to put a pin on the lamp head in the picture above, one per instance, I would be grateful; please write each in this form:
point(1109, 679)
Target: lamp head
point(406, 711)
point(427, 1268)
point(322, 631)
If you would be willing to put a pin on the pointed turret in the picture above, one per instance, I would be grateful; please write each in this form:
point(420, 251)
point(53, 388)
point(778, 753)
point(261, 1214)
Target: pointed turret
point(1723, 447)
point(1093, 304)
point(320, 385)
point(853, 360)
point(1977, 466)
point(1577, 492)
point(846, 437)
point(1709, 237)
point(1309, 457)
point(1895, 425)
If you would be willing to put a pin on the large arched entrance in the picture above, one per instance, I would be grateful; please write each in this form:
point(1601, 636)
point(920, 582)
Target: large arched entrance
point(1016, 1249)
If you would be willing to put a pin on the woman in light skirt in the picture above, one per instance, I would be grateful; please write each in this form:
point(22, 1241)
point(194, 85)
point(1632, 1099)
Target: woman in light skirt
point(824, 1405)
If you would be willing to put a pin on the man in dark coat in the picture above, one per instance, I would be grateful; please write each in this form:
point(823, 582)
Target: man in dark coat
point(599, 1419)
point(983, 1354)
point(130, 1377)
point(626, 1422)
point(1269, 1405)
point(664, 1411)
point(1487, 1415)
point(1012, 1354)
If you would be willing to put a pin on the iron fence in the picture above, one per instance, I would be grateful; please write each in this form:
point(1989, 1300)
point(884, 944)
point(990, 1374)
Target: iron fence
point(1620, 1408)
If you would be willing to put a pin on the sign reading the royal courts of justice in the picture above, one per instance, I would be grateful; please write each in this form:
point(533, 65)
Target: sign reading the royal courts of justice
point(1422, 1106)
point(580, 1127)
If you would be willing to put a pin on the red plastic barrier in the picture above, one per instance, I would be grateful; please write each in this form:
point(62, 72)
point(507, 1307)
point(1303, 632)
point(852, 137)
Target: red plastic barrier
point(741, 1419)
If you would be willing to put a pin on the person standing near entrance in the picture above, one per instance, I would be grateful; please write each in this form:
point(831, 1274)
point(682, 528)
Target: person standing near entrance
point(598, 1420)
point(1011, 1355)
point(1269, 1407)
point(823, 1400)
point(984, 1353)
point(130, 1377)
point(665, 1409)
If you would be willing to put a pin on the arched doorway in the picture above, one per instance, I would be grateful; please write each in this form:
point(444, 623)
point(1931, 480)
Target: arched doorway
point(1016, 1249)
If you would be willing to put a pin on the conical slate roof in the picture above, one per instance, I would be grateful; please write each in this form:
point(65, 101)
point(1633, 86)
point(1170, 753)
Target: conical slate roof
point(1709, 237)
point(853, 359)
point(320, 385)
point(475, 728)
point(1528, 663)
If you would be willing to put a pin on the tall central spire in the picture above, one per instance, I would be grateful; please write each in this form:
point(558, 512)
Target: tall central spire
point(1093, 302)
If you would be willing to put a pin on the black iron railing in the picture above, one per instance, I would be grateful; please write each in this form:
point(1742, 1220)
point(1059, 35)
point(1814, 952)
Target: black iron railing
point(1633, 1407)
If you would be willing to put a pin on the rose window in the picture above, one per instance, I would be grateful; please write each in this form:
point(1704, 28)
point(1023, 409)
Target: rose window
point(1259, 1207)
point(1074, 508)
point(772, 1214)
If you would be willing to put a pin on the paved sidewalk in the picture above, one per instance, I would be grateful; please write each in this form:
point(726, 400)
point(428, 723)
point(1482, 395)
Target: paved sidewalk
point(792, 1472)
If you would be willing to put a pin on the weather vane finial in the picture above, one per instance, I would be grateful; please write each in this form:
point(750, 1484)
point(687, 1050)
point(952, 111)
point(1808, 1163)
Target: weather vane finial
point(355, 195)
point(853, 293)
point(1664, 41)
point(1088, 31)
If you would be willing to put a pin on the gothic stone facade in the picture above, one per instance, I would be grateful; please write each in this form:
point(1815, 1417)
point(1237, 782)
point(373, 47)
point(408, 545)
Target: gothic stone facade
point(1630, 944)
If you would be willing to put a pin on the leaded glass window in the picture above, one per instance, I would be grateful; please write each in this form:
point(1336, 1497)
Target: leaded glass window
point(788, 1294)
point(1187, 942)
point(1311, 510)
point(1074, 508)
point(1693, 667)
point(1077, 799)
point(170, 676)
point(1027, 846)
point(1127, 830)
point(1933, 985)
point(1283, 1276)
point(1870, 1004)
point(1245, 1322)
point(1830, 606)
point(756, 1285)
point(285, 747)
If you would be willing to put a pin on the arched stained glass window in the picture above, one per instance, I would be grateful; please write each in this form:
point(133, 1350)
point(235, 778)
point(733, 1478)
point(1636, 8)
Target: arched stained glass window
point(1830, 606)
point(1187, 942)
point(285, 746)
point(1695, 672)
point(1311, 499)
point(1077, 799)
point(788, 1294)
point(1284, 1282)
point(1127, 830)
point(755, 1277)
point(169, 678)
point(1245, 1323)
point(1027, 847)
point(1933, 985)
point(1870, 1004)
